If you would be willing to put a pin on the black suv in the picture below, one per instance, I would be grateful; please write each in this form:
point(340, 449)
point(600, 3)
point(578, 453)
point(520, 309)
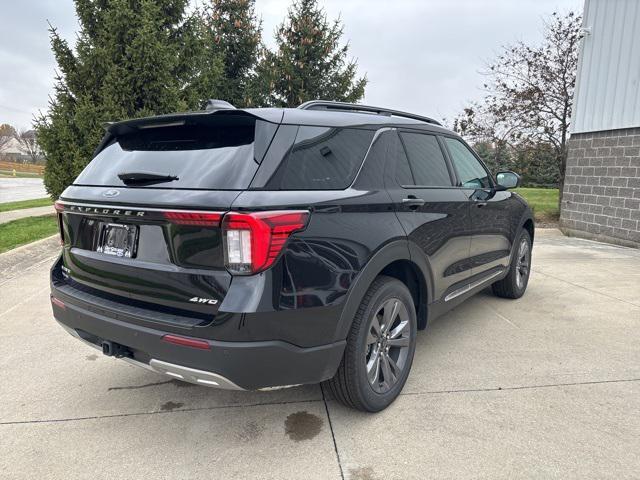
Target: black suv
point(263, 248)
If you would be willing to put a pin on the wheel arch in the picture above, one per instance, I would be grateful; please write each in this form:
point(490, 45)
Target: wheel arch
point(409, 273)
point(529, 226)
point(394, 260)
point(526, 223)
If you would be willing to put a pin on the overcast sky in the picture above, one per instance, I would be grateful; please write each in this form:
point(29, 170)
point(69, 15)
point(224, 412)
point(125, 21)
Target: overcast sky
point(424, 56)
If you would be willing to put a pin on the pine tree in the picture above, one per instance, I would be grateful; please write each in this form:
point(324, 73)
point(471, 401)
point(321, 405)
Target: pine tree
point(132, 58)
point(309, 62)
point(235, 32)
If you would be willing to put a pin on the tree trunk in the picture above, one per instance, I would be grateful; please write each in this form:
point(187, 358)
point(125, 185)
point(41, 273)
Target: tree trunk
point(563, 168)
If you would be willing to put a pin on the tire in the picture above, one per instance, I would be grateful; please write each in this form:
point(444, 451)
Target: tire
point(515, 283)
point(372, 351)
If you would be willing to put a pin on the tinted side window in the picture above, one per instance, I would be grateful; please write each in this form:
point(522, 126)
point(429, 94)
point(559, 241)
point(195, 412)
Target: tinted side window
point(426, 160)
point(470, 170)
point(325, 158)
point(403, 170)
point(380, 153)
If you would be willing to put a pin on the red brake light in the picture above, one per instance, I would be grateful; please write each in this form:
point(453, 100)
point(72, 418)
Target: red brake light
point(187, 342)
point(254, 240)
point(204, 219)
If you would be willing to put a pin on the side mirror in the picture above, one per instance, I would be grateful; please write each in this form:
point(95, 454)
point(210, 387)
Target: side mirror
point(508, 180)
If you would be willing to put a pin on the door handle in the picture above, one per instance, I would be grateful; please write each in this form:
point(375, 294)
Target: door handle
point(479, 201)
point(413, 202)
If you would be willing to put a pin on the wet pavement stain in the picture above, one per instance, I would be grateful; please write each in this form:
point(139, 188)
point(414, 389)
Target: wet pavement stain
point(302, 426)
point(170, 406)
point(176, 383)
point(362, 473)
point(135, 387)
point(92, 358)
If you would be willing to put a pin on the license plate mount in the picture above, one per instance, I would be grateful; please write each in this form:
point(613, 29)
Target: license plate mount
point(118, 239)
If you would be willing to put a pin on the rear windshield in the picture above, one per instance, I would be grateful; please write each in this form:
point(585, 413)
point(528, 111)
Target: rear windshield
point(324, 158)
point(217, 155)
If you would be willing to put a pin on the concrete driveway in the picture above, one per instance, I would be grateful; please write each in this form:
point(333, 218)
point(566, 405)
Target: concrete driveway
point(547, 386)
point(14, 189)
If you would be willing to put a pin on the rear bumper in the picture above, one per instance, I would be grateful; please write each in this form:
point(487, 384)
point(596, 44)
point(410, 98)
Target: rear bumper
point(231, 365)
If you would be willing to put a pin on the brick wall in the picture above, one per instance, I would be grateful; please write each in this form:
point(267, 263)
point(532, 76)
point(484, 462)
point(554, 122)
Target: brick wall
point(601, 198)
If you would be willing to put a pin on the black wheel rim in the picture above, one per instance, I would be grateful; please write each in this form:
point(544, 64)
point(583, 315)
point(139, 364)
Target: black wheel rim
point(388, 341)
point(523, 263)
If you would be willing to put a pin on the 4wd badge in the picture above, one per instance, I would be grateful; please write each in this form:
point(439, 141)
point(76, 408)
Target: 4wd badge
point(208, 301)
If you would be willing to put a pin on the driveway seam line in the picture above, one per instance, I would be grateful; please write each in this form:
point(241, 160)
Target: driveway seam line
point(585, 288)
point(155, 412)
point(523, 387)
point(333, 437)
point(30, 297)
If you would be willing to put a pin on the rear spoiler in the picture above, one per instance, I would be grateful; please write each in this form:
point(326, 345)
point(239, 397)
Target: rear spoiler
point(115, 129)
point(272, 115)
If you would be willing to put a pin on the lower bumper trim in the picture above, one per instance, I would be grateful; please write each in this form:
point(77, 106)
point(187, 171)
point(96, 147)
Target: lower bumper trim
point(192, 375)
point(252, 365)
point(186, 374)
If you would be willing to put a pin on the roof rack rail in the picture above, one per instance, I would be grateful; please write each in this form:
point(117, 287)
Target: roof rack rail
point(355, 107)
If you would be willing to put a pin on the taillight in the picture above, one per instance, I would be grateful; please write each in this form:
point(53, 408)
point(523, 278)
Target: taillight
point(202, 219)
point(59, 209)
point(254, 240)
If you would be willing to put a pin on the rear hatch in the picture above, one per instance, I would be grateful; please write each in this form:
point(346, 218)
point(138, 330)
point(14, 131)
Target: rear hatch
point(142, 221)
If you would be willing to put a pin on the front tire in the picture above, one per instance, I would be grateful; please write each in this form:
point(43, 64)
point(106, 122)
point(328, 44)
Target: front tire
point(380, 347)
point(515, 283)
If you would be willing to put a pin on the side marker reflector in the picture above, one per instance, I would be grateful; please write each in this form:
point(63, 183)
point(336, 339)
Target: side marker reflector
point(187, 342)
point(57, 302)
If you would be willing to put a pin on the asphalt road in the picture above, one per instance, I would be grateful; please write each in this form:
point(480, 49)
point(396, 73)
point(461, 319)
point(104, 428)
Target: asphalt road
point(14, 189)
point(547, 386)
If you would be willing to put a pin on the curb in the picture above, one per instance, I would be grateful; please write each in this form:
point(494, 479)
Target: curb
point(27, 245)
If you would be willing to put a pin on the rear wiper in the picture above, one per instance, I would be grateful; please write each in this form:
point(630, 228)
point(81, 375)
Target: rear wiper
point(141, 178)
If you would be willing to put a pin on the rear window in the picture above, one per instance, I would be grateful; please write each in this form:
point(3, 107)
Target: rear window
point(324, 158)
point(214, 153)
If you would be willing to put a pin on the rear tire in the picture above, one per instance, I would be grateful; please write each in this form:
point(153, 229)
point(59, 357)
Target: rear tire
point(515, 283)
point(380, 347)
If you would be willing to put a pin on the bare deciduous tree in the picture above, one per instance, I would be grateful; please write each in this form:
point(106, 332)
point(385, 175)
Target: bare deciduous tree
point(29, 143)
point(530, 92)
point(7, 132)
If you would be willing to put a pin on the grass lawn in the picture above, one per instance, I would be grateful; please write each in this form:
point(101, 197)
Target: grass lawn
point(9, 173)
point(543, 201)
point(26, 230)
point(38, 202)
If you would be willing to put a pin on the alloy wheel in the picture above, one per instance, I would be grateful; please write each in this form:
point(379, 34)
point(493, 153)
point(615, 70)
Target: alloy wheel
point(522, 263)
point(387, 346)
